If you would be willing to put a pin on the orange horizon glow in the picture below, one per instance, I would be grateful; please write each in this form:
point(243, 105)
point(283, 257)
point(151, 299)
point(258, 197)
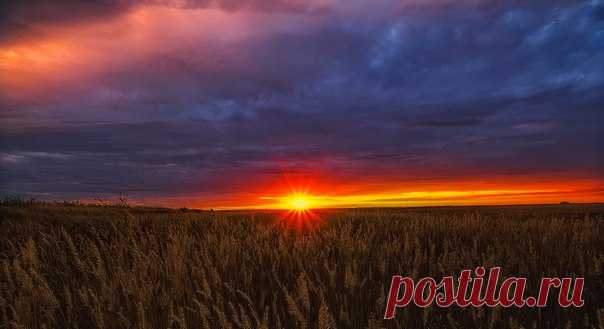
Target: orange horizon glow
point(416, 198)
point(363, 195)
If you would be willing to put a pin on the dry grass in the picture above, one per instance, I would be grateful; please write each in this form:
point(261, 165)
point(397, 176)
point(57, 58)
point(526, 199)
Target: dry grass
point(103, 267)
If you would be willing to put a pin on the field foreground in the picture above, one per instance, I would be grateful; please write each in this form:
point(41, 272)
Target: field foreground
point(68, 266)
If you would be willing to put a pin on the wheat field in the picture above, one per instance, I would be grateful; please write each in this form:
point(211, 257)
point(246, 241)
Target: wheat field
point(75, 266)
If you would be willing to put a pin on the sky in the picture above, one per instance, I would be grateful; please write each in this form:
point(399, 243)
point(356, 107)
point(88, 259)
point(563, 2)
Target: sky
point(235, 104)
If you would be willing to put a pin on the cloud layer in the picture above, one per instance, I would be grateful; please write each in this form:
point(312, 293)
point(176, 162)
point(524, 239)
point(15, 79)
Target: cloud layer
point(220, 100)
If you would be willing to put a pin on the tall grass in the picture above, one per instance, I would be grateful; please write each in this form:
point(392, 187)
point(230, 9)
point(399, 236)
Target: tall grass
point(98, 267)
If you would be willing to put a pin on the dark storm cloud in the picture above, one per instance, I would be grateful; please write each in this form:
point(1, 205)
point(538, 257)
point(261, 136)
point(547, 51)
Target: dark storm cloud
point(426, 89)
point(21, 19)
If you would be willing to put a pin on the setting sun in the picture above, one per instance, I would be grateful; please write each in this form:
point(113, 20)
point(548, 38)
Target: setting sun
point(298, 202)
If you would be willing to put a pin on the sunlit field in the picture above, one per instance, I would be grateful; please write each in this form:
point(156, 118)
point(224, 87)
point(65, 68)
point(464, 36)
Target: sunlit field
point(72, 266)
